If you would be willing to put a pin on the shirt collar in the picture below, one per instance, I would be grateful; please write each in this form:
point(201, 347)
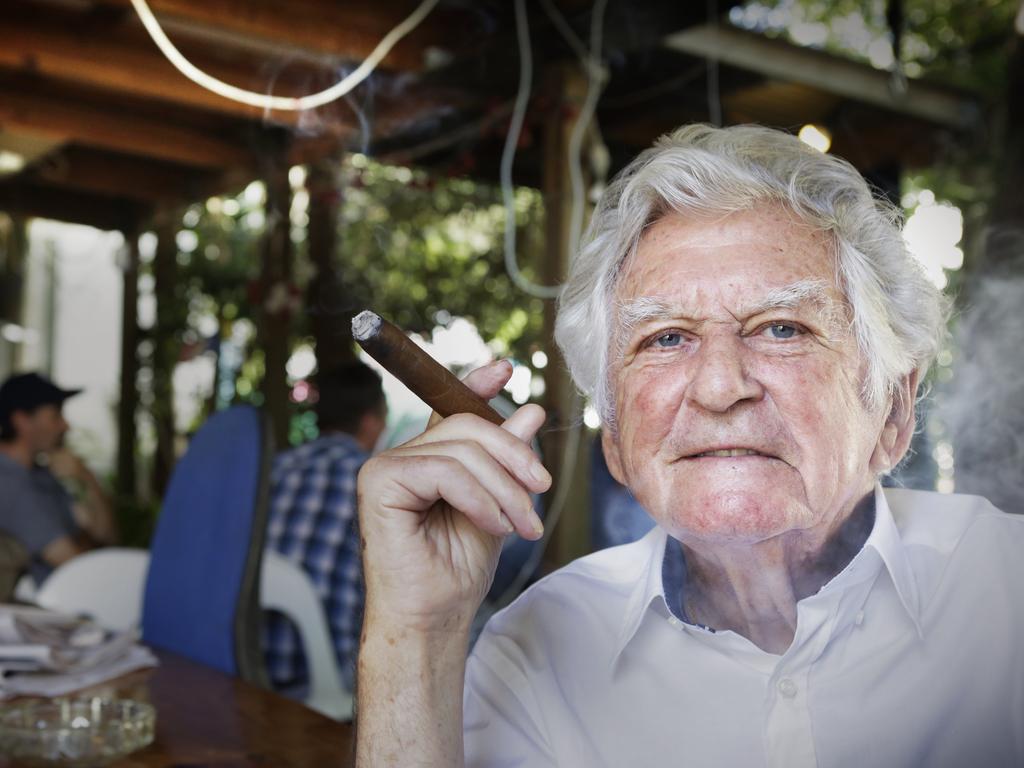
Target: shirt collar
point(884, 539)
point(648, 587)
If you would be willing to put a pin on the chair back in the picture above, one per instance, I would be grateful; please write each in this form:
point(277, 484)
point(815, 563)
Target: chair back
point(13, 562)
point(201, 597)
point(105, 584)
point(286, 588)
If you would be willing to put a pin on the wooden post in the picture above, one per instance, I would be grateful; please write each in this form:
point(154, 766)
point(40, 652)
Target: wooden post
point(1007, 214)
point(276, 297)
point(126, 469)
point(566, 87)
point(165, 347)
point(330, 315)
point(13, 247)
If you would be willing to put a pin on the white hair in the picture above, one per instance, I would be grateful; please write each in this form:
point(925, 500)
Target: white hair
point(898, 317)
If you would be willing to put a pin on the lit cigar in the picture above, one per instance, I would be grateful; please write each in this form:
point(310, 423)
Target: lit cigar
point(433, 383)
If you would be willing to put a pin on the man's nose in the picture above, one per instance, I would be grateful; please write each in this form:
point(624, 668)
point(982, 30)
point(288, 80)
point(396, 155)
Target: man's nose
point(722, 377)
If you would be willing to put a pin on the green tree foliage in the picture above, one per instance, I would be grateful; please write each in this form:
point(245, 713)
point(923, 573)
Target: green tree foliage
point(959, 42)
point(419, 249)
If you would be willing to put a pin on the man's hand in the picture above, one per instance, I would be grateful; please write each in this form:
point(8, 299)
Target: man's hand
point(92, 510)
point(432, 514)
point(433, 511)
point(65, 465)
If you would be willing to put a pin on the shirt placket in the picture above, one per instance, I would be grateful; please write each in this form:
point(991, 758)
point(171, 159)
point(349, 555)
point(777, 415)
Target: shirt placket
point(788, 732)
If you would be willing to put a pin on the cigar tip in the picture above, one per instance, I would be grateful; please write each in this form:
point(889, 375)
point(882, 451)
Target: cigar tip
point(365, 325)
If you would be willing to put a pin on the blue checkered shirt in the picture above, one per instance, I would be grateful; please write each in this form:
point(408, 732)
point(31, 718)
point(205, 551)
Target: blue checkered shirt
point(313, 523)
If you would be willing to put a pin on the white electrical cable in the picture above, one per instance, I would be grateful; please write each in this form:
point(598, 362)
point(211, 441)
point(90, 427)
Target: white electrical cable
point(563, 27)
point(262, 100)
point(595, 73)
point(714, 92)
point(508, 155)
point(595, 82)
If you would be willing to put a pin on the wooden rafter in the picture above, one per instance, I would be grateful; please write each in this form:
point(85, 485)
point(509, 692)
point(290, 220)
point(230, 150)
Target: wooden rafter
point(98, 126)
point(831, 74)
point(102, 212)
point(116, 174)
point(129, 66)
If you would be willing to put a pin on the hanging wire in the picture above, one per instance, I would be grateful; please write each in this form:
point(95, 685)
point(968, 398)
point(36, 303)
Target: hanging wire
point(596, 77)
point(595, 84)
point(714, 91)
point(508, 155)
point(284, 103)
point(566, 31)
point(570, 453)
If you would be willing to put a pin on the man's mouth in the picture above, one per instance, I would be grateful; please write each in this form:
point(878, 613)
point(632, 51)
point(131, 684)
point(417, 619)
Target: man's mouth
point(730, 453)
point(725, 452)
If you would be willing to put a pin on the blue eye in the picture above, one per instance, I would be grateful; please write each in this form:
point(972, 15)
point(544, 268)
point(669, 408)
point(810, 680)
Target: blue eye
point(667, 340)
point(782, 331)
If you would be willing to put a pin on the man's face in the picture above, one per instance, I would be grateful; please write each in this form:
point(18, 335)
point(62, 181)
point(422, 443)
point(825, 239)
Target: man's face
point(738, 408)
point(42, 429)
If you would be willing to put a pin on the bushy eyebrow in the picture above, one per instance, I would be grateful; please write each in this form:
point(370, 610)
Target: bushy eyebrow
point(802, 293)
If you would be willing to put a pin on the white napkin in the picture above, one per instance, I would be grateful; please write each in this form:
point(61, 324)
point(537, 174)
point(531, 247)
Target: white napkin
point(48, 654)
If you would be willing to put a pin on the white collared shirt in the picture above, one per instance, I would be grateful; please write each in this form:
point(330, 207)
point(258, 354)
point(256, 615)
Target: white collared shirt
point(912, 656)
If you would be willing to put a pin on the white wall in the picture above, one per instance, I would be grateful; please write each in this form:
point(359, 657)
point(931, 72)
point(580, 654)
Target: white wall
point(86, 329)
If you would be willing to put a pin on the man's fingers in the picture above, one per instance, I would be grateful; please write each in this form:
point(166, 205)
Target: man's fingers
point(429, 478)
point(513, 498)
point(486, 381)
point(507, 448)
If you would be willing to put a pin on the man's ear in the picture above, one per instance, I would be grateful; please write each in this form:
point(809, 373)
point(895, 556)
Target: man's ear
point(611, 455)
point(898, 430)
point(21, 421)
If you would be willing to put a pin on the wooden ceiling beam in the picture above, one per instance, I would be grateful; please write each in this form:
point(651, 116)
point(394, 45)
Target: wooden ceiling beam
point(100, 126)
point(107, 213)
point(778, 59)
point(80, 56)
point(106, 173)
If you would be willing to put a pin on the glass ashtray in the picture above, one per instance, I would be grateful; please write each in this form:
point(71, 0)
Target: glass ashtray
point(75, 732)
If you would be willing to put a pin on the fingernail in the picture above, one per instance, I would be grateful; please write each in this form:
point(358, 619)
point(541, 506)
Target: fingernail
point(540, 474)
point(506, 523)
point(535, 523)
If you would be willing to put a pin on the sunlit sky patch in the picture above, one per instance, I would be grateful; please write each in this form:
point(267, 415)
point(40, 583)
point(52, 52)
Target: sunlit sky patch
point(933, 233)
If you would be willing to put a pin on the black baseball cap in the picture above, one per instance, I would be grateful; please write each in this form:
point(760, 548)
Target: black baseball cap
point(28, 391)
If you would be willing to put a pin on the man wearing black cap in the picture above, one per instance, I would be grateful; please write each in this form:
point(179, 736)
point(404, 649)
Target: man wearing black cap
point(35, 508)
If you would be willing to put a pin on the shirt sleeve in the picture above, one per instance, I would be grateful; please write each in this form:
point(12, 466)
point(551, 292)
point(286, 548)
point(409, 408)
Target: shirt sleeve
point(501, 718)
point(34, 517)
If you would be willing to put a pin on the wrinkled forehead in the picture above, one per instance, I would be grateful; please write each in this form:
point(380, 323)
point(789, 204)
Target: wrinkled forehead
point(741, 255)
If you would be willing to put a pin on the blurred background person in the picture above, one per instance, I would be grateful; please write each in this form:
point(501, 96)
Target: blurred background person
point(50, 502)
point(313, 518)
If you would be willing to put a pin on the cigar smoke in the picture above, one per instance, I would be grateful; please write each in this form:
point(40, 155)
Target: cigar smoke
point(983, 404)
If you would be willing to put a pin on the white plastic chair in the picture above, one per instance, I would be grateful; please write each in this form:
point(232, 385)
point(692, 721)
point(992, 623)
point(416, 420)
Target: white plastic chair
point(286, 588)
point(106, 584)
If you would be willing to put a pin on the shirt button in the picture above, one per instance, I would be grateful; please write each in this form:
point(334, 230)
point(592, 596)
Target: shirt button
point(859, 618)
point(787, 688)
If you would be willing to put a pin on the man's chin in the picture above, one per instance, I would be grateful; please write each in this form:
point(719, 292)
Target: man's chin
point(735, 515)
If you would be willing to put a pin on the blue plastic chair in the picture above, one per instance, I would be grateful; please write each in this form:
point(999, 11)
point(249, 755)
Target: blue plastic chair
point(202, 591)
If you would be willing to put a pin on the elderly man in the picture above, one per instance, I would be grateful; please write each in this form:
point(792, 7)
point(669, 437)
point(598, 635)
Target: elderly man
point(747, 319)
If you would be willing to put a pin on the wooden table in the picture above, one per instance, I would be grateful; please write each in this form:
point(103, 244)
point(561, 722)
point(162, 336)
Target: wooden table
point(206, 718)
